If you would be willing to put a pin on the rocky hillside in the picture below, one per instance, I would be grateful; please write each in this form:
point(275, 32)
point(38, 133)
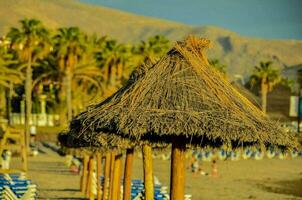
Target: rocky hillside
point(238, 52)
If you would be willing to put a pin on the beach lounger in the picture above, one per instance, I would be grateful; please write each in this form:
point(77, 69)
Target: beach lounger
point(16, 187)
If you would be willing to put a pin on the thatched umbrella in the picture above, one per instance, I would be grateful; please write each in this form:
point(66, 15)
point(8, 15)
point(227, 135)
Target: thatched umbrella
point(80, 136)
point(106, 143)
point(183, 100)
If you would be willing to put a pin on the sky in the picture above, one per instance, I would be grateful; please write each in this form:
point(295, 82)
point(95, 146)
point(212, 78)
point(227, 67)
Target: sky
point(274, 19)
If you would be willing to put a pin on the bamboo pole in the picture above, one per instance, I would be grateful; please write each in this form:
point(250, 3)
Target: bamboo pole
point(127, 174)
point(112, 163)
point(90, 192)
point(84, 173)
point(116, 186)
point(99, 169)
point(148, 172)
point(177, 182)
point(106, 176)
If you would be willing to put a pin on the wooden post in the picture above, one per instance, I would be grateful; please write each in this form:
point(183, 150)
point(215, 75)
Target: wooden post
point(177, 182)
point(127, 174)
point(84, 173)
point(106, 176)
point(112, 163)
point(116, 186)
point(148, 172)
point(120, 178)
point(99, 169)
point(87, 191)
point(90, 192)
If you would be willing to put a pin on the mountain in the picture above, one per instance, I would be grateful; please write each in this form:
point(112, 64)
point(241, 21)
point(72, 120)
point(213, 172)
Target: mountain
point(239, 53)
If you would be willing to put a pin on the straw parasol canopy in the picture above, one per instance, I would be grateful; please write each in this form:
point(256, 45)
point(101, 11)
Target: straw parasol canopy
point(108, 145)
point(90, 142)
point(181, 100)
point(80, 136)
point(182, 96)
point(103, 142)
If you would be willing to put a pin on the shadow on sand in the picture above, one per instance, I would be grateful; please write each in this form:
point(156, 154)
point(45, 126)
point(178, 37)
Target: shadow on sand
point(290, 187)
point(70, 198)
point(62, 172)
point(61, 190)
point(57, 192)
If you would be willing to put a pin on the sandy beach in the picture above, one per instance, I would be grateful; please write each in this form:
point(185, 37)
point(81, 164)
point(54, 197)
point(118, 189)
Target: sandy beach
point(117, 78)
point(244, 179)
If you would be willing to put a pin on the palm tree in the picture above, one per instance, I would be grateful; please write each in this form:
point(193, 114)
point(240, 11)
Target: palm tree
point(153, 48)
point(69, 47)
point(8, 76)
point(113, 59)
point(30, 42)
point(76, 63)
point(217, 65)
point(266, 77)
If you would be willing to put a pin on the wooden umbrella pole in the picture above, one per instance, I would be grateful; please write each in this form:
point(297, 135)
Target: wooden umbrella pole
point(84, 173)
point(177, 182)
point(148, 172)
point(91, 182)
point(87, 191)
point(106, 176)
point(99, 169)
point(116, 186)
point(127, 174)
point(120, 178)
point(112, 164)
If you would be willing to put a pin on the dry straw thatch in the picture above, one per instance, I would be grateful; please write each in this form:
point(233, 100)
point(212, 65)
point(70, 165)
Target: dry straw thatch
point(182, 96)
point(101, 142)
point(92, 143)
point(73, 138)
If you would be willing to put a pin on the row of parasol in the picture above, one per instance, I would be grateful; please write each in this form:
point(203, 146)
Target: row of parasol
point(179, 100)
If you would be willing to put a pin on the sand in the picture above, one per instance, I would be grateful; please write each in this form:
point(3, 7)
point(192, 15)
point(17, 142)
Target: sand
point(244, 179)
point(53, 179)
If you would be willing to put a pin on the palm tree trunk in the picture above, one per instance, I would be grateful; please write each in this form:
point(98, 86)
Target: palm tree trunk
point(3, 101)
point(8, 102)
point(264, 90)
point(28, 100)
point(112, 78)
point(69, 94)
point(119, 71)
point(61, 106)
